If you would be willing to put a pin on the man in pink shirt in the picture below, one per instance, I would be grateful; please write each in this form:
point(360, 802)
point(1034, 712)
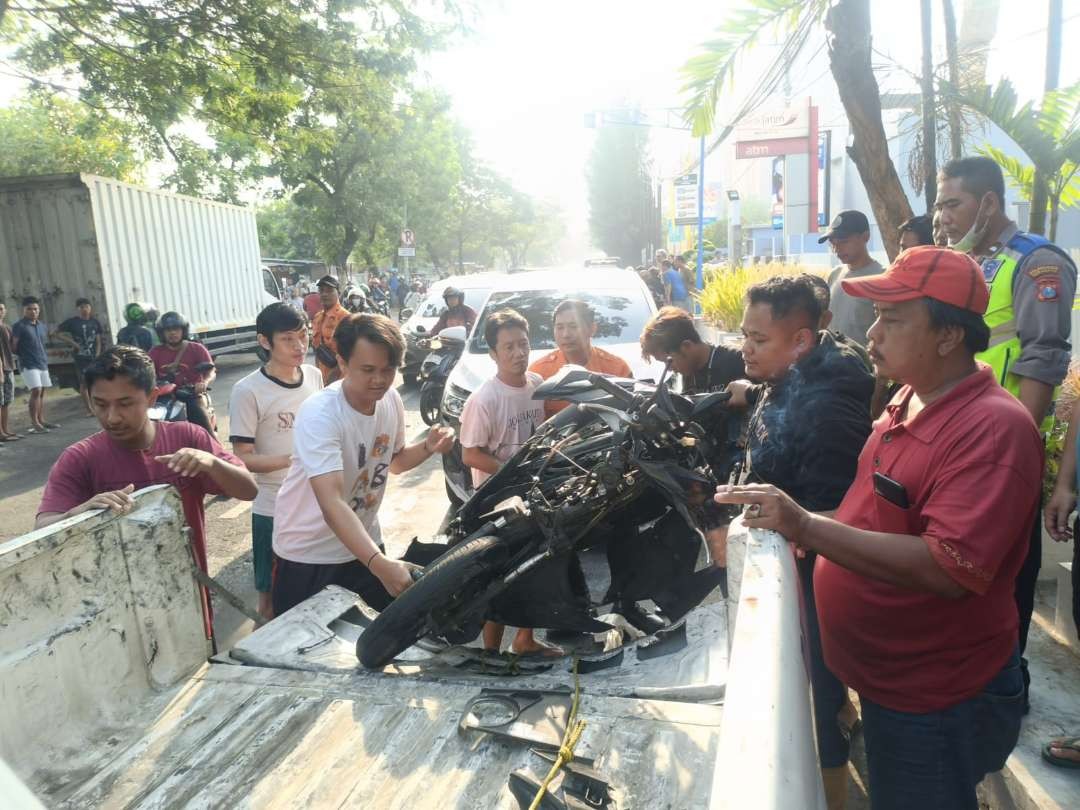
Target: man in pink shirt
point(132, 451)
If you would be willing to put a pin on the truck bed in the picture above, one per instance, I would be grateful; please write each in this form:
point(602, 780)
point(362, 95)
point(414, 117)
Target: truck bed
point(234, 736)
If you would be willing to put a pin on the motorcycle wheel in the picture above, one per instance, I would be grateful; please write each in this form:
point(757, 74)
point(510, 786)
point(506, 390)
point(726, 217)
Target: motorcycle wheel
point(430, 400)
point(460, 573)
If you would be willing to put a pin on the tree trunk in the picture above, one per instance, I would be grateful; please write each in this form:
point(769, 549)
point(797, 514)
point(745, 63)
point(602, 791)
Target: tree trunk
point(848, 22)
point(929, 121)
point(956, 134)
point(1040, 193)
point(347, 244)
point(1055, 205)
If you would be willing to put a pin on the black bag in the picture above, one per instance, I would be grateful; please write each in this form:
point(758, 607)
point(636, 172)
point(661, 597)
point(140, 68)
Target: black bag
point(325, 356)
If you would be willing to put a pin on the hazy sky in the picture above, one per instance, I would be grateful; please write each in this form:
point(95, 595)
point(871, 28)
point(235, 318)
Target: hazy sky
point(524, 80)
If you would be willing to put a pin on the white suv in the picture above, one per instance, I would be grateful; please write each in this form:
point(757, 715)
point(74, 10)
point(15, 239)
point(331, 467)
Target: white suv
point(622, 305)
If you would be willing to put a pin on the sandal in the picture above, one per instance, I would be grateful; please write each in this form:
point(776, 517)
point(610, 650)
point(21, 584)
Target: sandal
point(10, 437)
point(35, 431)
point(1069, 743)
point(545, 651)
point(51, 425)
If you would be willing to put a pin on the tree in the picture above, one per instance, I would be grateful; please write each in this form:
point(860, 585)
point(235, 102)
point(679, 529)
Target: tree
point(282, 231)
point(165, 63)
point(46, 134)
point(619, 192)
point(850, 51)
point(1050, 137)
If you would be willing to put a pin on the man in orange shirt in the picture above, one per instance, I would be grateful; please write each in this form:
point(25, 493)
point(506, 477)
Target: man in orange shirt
point(326, 321)
point(575, 325)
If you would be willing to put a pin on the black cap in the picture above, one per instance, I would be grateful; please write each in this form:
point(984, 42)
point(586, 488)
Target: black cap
point(328, 281)
point(846, 223)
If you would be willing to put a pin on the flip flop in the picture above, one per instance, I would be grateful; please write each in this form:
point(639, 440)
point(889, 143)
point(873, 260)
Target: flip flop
point(51, 425)
point(544, 652)
point(14, 437)
point(1070, 743)
point(34, 431)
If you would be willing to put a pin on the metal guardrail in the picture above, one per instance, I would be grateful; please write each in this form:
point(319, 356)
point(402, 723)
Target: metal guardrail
point(767, 758)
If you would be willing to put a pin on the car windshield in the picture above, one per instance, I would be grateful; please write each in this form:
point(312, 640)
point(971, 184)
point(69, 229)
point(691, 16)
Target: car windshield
point(433, 307)
point(620, 314)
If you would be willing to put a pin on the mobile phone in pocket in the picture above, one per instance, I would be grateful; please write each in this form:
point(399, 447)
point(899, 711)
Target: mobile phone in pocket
point(890, 490)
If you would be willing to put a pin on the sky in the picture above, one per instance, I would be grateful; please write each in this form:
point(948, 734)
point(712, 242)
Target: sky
point(524, 80)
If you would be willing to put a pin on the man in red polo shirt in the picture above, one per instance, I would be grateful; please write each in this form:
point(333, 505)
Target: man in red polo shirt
point(915, 573)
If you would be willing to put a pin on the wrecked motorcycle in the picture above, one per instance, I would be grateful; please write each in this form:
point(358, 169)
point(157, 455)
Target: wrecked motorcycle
point(627, 467)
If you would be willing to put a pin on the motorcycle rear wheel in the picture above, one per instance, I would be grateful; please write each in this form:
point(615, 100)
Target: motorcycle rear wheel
point(463, 572)
point(430, 401)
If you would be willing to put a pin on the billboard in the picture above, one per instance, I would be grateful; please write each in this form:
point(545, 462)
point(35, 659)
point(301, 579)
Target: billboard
point(792, 121)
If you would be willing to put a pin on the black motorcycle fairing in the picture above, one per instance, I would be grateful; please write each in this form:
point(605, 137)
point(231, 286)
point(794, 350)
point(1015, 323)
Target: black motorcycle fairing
point(553, 595)
point(649, 557)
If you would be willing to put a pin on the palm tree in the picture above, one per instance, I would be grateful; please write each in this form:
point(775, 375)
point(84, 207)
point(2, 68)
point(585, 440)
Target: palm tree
point(1050, 137)
point(709, 73)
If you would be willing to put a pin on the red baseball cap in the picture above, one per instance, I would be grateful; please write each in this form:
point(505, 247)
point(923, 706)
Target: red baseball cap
point(927, 271)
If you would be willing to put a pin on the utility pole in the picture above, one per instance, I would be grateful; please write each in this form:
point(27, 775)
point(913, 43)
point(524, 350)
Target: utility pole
point(929, 124)
point(1053, 44)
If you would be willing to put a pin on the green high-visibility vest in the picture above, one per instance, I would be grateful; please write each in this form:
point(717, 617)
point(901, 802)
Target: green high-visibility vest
point(999, 271)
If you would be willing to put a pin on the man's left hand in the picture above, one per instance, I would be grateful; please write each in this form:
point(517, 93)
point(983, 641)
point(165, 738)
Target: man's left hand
point(439, 440)
point(769, 508)
point(188, 461)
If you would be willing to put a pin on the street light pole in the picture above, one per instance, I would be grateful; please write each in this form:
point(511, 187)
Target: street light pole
point(701, 217)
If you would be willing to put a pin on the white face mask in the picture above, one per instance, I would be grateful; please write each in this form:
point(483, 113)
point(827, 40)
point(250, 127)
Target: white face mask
point(979, 228)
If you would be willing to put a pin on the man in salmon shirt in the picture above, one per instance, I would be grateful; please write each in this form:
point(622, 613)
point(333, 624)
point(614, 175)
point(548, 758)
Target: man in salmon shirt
point(132, 451)
point(322, 329)
point(575, 325)
point(915, 573)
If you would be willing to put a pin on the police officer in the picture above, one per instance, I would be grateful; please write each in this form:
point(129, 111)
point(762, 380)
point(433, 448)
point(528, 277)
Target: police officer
point(1032, 285)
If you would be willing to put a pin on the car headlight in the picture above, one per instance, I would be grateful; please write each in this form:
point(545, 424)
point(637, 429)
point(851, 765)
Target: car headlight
point(454, 402)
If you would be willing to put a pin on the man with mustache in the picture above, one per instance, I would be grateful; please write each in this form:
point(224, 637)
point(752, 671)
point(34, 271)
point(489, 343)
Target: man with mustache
point(915, 570)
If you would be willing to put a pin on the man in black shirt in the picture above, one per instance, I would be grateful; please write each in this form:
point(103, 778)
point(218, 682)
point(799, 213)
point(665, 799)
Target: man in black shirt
point(84, 334)
point(671, 335)
point(807, 427)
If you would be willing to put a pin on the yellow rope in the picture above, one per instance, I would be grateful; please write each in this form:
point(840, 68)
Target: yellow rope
point(574, 727)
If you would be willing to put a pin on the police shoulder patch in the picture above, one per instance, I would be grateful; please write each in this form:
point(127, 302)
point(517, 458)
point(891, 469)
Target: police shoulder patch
point(1042, 271)
point(1048, 288)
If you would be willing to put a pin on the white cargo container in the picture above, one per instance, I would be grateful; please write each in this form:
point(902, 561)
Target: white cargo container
point(68, 236)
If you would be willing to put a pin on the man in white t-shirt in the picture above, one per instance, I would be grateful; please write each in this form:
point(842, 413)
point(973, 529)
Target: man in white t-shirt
point(262, 411)
point(497, 419)
point(346, 440)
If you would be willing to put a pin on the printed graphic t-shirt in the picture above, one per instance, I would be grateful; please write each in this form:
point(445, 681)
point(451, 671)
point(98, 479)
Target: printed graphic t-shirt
point(262, 411)
point(499, 418)
point(331, 436)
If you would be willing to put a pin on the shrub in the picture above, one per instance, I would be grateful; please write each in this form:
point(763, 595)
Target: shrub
point(724, 296)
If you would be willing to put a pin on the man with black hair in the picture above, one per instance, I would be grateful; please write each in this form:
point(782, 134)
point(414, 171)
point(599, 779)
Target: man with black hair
point(915, 571)
point(132, 451)
point(1032, 284)
point(324, 326)
point(574, 328)
point(346, 439)
point(29, 338)
point(262, 412)
point(849, 238)
point(84, 334)
point(498, 418)
point(810, 417)
point(916, 231)
point(670, 336)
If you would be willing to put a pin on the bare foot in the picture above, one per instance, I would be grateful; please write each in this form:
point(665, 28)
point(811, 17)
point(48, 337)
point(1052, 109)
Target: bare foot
point(525, 643)
point(1067, 748)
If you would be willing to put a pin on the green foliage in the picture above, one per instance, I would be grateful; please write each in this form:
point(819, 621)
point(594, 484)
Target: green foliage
point(711, 73)
point(621, 207)
point(44, 134)
point(283, 232)
point(1048, 133)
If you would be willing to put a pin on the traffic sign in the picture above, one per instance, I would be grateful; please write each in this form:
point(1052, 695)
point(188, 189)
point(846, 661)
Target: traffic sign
point(408, 240)
point(406, 251)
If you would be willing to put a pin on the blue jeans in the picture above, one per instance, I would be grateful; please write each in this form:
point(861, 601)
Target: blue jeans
point(934, 761)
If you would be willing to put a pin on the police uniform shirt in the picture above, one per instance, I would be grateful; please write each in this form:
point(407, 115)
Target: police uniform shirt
point(1043, 289)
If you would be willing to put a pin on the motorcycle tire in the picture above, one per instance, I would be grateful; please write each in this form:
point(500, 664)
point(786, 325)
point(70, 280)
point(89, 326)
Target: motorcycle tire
point(430, 401)
point(462, 572)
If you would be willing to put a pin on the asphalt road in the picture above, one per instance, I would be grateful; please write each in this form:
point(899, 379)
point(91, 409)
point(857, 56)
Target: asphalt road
point(415, 503)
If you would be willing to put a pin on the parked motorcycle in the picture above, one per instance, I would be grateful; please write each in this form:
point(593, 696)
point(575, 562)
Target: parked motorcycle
point(445, 351)
point(627, 466)
point(171, 402)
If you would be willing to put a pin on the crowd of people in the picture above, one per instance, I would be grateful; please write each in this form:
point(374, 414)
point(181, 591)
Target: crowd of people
point(893, 429)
